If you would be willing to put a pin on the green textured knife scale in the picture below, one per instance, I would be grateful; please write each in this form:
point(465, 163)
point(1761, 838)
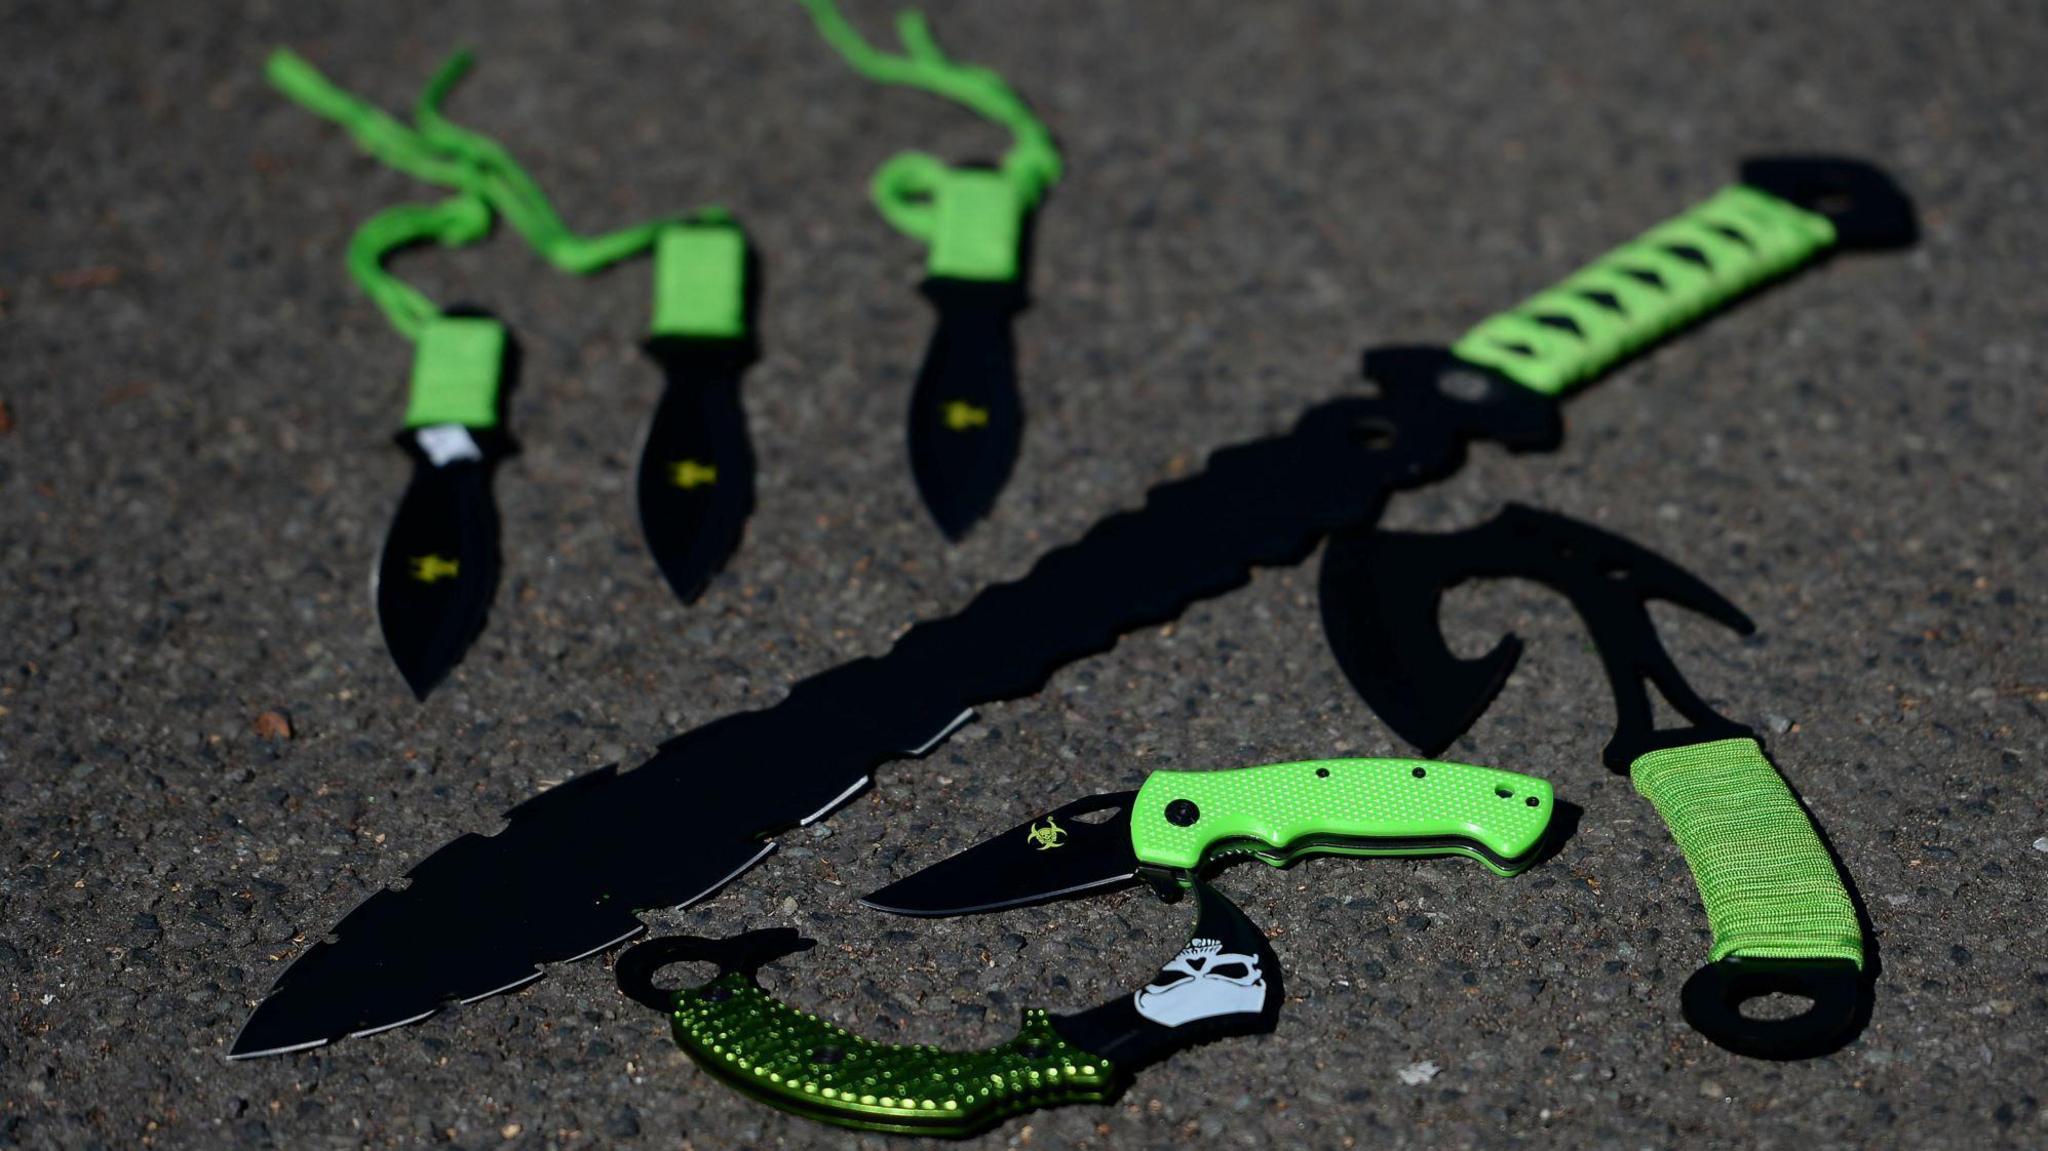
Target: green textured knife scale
point(1182, 820)
point(700, 280)
point(977, 227)
point(1769, 885)
point(455, 373)
point(1644, 290)
point(795, 1061)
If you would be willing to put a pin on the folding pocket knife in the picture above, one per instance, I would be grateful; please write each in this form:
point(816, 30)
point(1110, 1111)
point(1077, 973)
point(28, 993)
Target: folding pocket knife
point(1181, 822)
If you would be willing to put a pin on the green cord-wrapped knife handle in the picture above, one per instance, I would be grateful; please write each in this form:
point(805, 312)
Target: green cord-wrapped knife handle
point(1781, 916)
point(1781, 215)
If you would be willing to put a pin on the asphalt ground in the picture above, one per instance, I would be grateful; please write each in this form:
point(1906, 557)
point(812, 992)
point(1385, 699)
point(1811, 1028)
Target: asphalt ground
point(196, 470)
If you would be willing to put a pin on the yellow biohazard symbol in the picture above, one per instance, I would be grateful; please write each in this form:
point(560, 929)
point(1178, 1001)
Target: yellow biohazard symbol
point(960, 415)
point(433, 568)
point(687, 474)
point(1047, 835)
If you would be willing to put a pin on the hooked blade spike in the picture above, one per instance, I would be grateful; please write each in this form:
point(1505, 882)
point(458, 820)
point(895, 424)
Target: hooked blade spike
point(1382, 593)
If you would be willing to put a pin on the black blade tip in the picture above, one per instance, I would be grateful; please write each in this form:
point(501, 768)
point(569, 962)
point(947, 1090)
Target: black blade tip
point(422, 683)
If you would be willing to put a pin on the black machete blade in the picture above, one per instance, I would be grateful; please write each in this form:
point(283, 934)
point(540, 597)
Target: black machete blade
point(567, 873)
point(438, 568)
point(696, 486)
point(1059, 853)
point(966, 420)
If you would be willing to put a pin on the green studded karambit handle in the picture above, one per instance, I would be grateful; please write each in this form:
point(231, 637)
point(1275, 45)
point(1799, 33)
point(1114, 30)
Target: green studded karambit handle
point(1770, 888)
point(797, 1062)
point(1181, 820)
point(1646, 289)
point(455, 373)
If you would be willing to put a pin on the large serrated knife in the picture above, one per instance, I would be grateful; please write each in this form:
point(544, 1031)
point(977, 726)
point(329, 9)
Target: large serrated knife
point(568, 873)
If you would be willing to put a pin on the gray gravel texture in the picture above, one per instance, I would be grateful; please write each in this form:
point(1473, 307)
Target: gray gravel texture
point(196, 473)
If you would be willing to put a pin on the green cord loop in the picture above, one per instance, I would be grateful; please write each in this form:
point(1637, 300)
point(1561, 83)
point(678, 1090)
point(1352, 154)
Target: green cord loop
point(384, 138)
point(912, 189)
point(514, 194)
point(440, 152)
point(452, 223)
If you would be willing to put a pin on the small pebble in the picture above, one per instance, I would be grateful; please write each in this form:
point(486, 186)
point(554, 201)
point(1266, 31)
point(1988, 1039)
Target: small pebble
point(272, 725)
point(2041, 844)
point(1416, 1074)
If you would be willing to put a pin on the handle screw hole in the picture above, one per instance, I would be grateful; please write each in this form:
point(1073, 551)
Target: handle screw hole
point(1504, 793)
point(1532, 801)
point(1322, 773)
point(1418, 773)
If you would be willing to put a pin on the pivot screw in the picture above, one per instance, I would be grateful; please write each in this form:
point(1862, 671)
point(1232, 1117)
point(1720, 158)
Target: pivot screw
point(1183, 813)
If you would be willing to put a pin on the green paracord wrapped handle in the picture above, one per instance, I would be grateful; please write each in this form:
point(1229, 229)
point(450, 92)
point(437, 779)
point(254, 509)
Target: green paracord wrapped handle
point(1781, 915)
point(797, 1062)
point(1780, 217)
point(1769, 886)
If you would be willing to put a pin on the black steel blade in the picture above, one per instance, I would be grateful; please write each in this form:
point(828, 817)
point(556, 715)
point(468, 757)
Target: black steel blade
point(696, 484)
point(566, 874)
point(1382, 591)
point(966, 420)
point(1226, 981)
point(1059, 853)
point(438, 569)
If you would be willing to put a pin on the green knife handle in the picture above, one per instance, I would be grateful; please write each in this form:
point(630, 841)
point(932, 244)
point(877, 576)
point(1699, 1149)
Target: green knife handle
point(1770, 887)
point(1670, 276)
point(798, 1062)
point(1182, 820)
point(700, 279)
point(455, 373)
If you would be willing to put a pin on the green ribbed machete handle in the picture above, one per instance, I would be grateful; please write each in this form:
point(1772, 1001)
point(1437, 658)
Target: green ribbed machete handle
point(1647, 289)
point(1184, 819)
point(1769, 885)
point(798, 1062)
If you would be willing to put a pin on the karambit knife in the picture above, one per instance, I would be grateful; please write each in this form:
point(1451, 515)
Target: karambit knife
point(966, 421)
point(1782, 917)
point(1180, 822)
point(566, 875)
point(439, 565)
point(696, 480)
point(1224, 982)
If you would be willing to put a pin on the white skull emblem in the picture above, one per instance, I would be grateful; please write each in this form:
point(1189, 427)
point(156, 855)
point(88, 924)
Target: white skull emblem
point(1202, 982)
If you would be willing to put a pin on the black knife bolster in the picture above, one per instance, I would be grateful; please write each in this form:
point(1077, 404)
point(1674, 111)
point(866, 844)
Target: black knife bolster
point(1168, 883)
point(953, 297)
point(495, 444)
point(686, 357)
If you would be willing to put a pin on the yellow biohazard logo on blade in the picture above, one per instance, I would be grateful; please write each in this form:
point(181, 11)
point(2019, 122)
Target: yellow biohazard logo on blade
point(960, 415)
point(1046, 834)
point(687, 474)
point(433, 568)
